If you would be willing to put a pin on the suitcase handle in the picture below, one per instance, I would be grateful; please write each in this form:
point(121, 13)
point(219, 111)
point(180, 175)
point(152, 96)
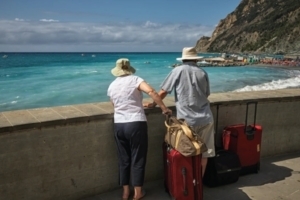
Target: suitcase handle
point(217, 117)
point(249, 130)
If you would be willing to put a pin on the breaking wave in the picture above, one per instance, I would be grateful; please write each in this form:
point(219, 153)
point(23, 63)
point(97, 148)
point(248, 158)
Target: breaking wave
point(274, 85)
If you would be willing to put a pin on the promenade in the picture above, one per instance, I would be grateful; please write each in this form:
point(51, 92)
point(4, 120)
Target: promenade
point(278, 179)
point(69, 152)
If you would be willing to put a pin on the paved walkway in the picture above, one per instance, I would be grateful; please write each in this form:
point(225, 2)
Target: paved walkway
point(278, 179)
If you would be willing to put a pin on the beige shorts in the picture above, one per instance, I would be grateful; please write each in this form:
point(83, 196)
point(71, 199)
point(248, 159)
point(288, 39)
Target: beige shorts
point(207, 134)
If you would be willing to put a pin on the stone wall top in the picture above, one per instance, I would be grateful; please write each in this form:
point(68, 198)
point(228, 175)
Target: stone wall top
point(61, 115)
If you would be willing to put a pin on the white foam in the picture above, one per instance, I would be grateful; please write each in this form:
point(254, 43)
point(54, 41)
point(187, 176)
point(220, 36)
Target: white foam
point(274, 85)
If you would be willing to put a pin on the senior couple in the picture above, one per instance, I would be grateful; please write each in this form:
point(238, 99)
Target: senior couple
point(191, 89)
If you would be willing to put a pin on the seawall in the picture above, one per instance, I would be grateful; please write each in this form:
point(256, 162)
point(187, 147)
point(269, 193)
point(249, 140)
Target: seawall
point(68, 152)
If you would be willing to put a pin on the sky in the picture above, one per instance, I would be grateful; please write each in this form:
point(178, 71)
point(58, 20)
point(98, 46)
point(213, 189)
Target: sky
point(108, 25)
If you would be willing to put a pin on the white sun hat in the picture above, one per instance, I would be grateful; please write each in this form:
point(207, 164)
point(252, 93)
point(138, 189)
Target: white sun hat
point(189, 53)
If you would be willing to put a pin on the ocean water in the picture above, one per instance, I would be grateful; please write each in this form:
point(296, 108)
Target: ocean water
point(33, 80)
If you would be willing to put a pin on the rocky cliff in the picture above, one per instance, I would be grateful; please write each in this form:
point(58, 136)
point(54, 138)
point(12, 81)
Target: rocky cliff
point(257, 26)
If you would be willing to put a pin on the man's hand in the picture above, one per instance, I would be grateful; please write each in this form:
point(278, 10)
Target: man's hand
point(167, 112)
point(149, 105)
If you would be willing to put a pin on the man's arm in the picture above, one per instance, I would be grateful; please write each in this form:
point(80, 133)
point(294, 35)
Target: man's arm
point(162, 95)
point(168, 84)
point(155, 96)
point(208, 84)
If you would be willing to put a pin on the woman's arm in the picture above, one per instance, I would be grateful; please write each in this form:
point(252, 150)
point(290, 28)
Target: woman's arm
point(156, 98)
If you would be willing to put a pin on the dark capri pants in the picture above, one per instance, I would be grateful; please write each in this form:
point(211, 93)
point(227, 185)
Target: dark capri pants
point(132, 143)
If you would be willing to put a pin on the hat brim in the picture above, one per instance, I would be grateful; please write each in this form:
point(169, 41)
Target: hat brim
point(189, 58)
point(121, 72)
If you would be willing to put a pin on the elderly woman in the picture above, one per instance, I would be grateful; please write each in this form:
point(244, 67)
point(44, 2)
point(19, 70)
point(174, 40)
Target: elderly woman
point(130, 125)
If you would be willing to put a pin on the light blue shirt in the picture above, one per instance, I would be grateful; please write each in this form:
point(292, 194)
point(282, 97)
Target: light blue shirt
point(191, 89)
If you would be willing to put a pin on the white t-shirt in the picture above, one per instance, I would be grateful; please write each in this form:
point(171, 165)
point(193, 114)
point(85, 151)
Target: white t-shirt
point(127, 99)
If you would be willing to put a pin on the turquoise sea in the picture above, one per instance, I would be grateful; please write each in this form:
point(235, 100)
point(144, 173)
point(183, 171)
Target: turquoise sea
point(33, 80)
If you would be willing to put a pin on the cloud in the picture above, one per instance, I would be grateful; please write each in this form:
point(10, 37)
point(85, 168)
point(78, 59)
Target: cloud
point(20, 20)
point(150, 24)
point(59, 36)
point(48, 20)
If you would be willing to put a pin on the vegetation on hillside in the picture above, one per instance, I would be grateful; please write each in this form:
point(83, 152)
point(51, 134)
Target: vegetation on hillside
point(260, 26)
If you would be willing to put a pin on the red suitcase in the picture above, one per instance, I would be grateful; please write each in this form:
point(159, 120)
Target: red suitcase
point(183, 175)
point(245, 140)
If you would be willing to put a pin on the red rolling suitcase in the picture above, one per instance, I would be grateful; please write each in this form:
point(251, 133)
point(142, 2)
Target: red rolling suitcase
point(245, 140)
point(182, 175)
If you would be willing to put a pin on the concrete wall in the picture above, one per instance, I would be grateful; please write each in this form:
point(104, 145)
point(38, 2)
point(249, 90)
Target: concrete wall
point(69, 152)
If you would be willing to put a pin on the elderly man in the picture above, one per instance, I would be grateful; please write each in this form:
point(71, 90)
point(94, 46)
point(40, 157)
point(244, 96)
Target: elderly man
point(191, 89)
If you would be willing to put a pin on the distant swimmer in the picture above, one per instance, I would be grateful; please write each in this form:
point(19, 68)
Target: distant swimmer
point(147, 62)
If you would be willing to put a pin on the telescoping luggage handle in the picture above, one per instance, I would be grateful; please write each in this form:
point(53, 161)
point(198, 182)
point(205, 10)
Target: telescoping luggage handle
point(250, 130)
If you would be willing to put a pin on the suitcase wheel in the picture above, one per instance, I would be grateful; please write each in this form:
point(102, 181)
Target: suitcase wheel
point(258, 167)
point(166, 187)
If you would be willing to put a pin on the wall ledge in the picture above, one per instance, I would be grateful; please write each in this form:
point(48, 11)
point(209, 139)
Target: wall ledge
point(11, 121)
